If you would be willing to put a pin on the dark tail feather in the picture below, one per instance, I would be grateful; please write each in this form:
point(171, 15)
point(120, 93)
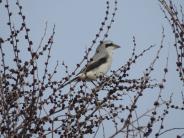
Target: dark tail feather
point(63, 85)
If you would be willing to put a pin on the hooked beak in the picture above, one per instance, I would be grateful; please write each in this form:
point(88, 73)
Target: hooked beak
point(117, 46)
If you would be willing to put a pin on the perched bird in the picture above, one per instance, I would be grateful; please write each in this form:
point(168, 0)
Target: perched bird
point(100, 63)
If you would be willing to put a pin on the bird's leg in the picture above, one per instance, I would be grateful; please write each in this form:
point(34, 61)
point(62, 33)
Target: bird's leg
point(94, 83)
point(84, 85)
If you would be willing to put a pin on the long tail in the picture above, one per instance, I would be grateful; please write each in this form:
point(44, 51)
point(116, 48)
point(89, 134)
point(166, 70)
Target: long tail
point(63, 85)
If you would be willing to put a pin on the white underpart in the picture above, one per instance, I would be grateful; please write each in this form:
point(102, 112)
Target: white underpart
point(101, 70)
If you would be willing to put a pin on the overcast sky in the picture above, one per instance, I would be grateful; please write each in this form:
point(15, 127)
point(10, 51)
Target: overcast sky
point(77, 22)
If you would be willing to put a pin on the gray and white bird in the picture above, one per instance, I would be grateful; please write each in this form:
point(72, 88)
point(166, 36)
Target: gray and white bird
point(100, 62)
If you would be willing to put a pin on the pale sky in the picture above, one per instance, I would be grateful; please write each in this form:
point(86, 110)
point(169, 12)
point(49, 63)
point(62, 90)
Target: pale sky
point(77, 22)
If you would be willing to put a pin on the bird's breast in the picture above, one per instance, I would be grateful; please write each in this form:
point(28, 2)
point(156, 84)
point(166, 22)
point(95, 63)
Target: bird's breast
point(104, 68)
point(99, 71)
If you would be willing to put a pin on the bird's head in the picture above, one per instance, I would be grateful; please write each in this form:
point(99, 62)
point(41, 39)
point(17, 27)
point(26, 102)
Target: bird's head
point(108, 46)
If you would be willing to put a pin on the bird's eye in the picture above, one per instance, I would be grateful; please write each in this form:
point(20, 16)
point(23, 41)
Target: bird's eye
point(108, 45)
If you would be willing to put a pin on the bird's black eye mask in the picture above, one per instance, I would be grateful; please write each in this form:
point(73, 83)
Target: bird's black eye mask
point(108, 45)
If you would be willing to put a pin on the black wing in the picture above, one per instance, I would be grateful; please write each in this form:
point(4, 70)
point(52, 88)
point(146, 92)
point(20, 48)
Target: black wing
point(96, 64)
